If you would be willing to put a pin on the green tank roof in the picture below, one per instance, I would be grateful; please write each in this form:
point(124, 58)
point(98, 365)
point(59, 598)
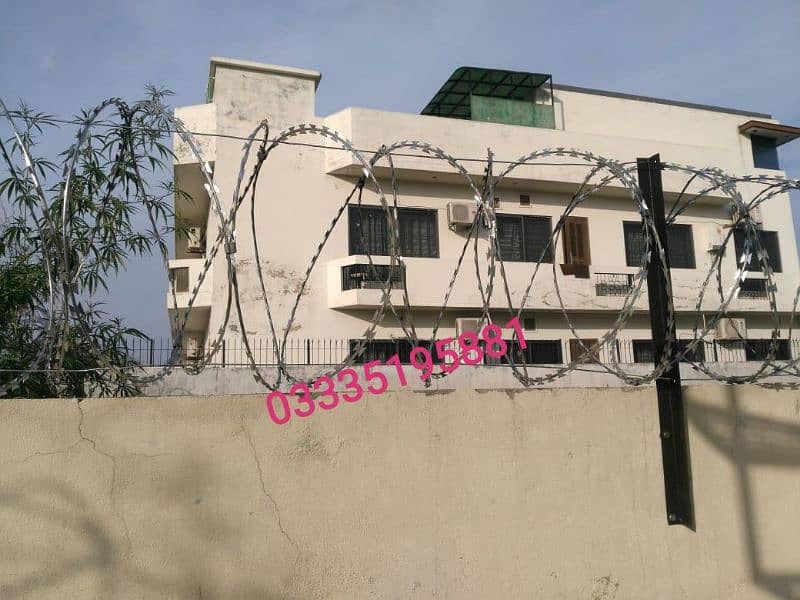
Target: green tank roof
point(453, 99)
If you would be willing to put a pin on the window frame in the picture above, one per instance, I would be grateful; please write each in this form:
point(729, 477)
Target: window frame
point(549, 255)
point(636, 227)
point(402, 211)
point(765, 152)
point(774, 261)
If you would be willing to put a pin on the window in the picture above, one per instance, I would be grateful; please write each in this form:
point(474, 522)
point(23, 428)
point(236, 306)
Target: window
point(524, 238)
point(543, 352)
point(577, 351)
point(529, 323)
point(369, 232)
point(680, 245)
point(765, 152)
point(357, 277)
point(537, 352)
point(768, 241)
point(577, 257)
point(753, 288)
point(179, 276)
point(384, 349)
point(643, 351)
point(758, 349)
point(524, 200)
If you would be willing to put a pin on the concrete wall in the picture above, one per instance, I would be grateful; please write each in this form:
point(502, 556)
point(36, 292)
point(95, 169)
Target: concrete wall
point(535, 494)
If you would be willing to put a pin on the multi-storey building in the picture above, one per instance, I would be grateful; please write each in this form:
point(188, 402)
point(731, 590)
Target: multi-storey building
point(302, 187)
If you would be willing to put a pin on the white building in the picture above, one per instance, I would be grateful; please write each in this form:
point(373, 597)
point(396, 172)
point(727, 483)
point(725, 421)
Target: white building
point(302, 187)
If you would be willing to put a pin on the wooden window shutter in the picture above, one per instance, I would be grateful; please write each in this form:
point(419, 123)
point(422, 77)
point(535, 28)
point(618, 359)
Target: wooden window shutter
point(576, 351)
point(577, 257)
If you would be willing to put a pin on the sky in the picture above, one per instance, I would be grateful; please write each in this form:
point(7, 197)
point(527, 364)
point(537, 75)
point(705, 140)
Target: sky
point(394, 55)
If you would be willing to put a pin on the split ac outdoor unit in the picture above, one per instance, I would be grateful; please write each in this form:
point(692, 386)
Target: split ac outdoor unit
point(461, 214)
point(193, 347)
point(731, 329)
point(196, 239)
point(466, 324)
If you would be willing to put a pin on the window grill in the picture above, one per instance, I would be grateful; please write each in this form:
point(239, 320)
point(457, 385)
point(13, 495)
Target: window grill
point(753, 288)
point(372, 277)
point(613, 284)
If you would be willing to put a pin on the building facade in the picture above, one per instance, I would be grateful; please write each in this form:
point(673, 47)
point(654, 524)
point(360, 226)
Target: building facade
point(303, 185)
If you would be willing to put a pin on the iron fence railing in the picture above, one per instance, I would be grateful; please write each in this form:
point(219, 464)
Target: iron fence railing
point(306, 351)
point(613, 284)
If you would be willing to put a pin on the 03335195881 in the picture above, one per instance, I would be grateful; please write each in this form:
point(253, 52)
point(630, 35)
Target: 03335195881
point(377, 383)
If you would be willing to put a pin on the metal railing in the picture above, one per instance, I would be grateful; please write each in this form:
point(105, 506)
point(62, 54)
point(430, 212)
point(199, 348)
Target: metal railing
point(306, 351)
point(613, 284)
point(753, 289)
point(374, 277)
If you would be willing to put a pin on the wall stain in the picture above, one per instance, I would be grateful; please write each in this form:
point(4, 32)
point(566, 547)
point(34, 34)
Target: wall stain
point(605, 588)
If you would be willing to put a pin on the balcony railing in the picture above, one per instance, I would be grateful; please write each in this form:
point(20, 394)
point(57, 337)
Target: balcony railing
point(231, 352)
point(753, 289)
point(613, 284)
point(372, 277)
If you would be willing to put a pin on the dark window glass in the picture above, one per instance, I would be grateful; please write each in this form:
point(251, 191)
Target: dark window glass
point(524, 200)
point(758, 349)
point(679, 241)
point(769, 243)
point(384, 349)
point(180, 278)
point(753, 288)
point(643, 351)
point(419, 235)
point(524, 238)
point(765, 152)
point(369, 232)
point(681, 246)
point(537, 352)
point(543, 352)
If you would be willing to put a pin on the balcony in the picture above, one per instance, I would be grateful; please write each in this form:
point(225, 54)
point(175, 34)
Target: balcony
point(366, 277)
point(753, 289)
point(184, 273)
point(613, 284)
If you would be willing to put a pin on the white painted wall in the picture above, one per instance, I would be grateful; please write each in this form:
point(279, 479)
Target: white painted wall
point(301, 188)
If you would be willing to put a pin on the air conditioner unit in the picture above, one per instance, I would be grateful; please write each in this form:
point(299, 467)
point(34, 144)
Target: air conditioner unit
point(461, 214)
point(193, 347)
point(196, 239)
point(731, 329)
point(467, 324)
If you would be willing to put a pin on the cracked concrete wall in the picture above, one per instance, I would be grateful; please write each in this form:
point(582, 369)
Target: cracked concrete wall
point(506, 494)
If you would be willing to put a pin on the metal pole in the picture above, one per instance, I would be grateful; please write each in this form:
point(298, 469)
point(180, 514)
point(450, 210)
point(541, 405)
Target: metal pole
point(672, 420)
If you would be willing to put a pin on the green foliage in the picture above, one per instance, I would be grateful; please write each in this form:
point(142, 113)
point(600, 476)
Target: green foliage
point(49, 252)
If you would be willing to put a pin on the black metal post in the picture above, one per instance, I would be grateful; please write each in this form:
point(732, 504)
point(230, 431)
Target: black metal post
point(672, 420)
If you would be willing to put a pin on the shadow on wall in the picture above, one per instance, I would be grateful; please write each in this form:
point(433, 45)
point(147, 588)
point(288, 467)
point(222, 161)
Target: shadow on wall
point(69, 549)
point(752, 442)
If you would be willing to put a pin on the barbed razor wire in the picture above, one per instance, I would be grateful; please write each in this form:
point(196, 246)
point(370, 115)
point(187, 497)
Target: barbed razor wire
point(64, 309)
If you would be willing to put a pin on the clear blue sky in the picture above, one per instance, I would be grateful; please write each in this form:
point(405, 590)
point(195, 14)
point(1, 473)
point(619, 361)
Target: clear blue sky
point(393, 55)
